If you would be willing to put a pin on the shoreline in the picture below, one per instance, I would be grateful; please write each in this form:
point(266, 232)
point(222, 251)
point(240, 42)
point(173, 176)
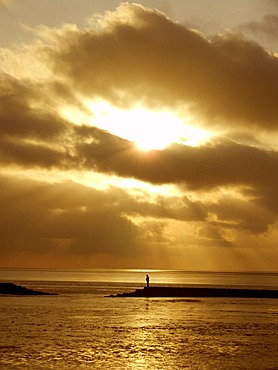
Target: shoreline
point(198, 292)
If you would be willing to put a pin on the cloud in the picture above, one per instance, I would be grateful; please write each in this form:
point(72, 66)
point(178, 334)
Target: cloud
point(63, 218)
point(70, 219)
point(134, 54)
point(5, 3)
point(225, 190)
point(34, 138)
point(137, 54)
point(268, 26)
point(219, 164)
point(28, 135)
point(18, 117)
point(225, 164)
point(240, 214)
point(69, 224)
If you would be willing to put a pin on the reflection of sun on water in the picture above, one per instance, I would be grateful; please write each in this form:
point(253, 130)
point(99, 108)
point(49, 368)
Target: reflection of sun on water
point(148, 129)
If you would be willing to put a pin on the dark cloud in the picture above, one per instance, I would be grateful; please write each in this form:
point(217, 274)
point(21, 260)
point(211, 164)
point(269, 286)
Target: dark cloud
point(29, 110)
point(220, 164)
point(63, 218)
point(17, 116)
point(67, 219)
point(211, 235)
point(139, 54)
point(239, 214)
point(30, 133)
point(186, 210)
point(71, 219)
point(30, 155)
point(26, 133)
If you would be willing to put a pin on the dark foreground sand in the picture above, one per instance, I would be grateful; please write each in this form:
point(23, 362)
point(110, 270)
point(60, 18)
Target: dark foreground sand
point(200, 292)
point(13, 289)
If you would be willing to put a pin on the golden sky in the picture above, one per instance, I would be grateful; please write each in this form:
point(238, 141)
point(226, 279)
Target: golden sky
point(139, 135)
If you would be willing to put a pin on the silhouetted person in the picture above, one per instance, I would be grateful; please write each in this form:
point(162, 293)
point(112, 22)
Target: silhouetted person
point(148, 281)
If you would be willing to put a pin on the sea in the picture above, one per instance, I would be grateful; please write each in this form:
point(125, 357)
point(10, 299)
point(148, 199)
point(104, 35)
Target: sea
point(81, 327)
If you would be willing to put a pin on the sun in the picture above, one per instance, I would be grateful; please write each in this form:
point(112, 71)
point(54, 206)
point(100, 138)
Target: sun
point(147, 129)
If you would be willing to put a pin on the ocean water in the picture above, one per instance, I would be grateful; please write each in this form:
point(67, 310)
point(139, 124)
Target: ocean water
point(81, 328)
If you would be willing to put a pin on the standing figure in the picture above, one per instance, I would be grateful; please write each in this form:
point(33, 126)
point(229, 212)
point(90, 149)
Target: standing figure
point(148, 281)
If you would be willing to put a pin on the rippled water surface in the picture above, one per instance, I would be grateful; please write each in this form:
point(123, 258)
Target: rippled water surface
point(81, 329)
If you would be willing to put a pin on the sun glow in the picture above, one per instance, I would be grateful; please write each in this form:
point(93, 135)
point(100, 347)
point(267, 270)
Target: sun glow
point(148, 129)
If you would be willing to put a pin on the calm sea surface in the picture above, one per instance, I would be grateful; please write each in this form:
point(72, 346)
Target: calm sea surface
point(82, 329)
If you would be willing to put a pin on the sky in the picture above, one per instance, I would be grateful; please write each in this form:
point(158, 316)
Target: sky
point(139, 135)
